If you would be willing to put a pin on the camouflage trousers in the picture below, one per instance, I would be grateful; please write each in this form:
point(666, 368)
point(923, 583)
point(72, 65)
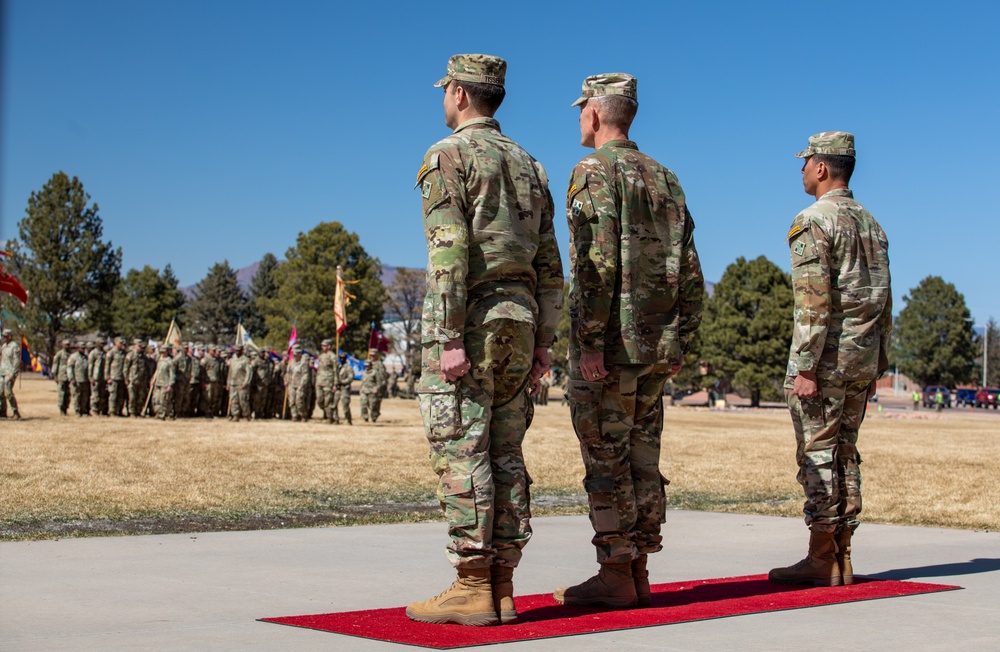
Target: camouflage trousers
point(182, 396)
point(298, 402)
point(163, 402)
point(98, 397)
point(619, 420)
point(326, 397)
point(371, 405)
point(475, 428)
point(212, 399)
point(343, 398)
point(239, 402)
point(116, 397)
point(826, 436)
point(260, 401)
point(7, 395)
point(81, 397)
point(137, 393)
point(64, 393)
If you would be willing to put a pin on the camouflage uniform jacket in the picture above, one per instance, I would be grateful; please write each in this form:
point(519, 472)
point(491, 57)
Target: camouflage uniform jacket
point(195, 377)
point(299, 374)
point(491, 247)
point(326, 374)
point(636, 283)
point(262, 371)
point(370, 379)
point(165, 373)
point(240, 372)
point(116, 364)
point(76, 368)
point(135, 367)
point(10, 360)
point(212, 366)
point(96, 365)
point(59, 361)
point(345, 376)
point(182, 368)
point(843, 299)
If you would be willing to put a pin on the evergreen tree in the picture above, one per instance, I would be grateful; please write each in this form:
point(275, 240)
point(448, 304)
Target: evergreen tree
point(404, 302)
point(307, 282)
point(216, 308)
point(747, 327)
point(991, 339)
point(69, 271)
point(932, 340)
point(145, 302)
point(262, 286)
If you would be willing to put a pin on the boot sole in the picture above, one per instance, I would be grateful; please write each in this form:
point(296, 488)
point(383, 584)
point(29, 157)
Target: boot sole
point(807, 581)
point(508, 617)
point(473, 620)
point(621, 603)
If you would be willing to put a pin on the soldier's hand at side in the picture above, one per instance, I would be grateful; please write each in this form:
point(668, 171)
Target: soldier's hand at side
point(592, 366)
point(539, 364)
point(454, 363)
point(806, 385)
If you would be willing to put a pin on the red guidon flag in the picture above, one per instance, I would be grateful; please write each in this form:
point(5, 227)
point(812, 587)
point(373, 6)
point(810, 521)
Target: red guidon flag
point(10, 285)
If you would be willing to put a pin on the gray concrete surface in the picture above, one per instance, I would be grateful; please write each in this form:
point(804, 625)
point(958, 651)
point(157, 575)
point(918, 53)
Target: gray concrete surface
point(204, 591)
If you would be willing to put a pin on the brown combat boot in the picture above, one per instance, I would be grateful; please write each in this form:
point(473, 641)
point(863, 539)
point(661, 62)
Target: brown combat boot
point(640, 578)
point(611, 587)
point(468, 601)
point(502, 581)
point(819, 568)
point(843, 541)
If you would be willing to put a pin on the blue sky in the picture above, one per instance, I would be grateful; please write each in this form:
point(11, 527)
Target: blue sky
point(220, 130)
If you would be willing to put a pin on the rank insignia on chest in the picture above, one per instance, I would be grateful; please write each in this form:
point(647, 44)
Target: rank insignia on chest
point(577, 207)
point(800, 248)
point(425, 189)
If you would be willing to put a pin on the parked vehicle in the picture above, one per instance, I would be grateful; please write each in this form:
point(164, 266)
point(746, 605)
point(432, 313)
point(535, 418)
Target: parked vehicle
point(965, 396)
point(987, 397)
point(930, 396)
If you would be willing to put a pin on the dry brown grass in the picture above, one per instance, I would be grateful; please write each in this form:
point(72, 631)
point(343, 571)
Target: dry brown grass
point(923, 469)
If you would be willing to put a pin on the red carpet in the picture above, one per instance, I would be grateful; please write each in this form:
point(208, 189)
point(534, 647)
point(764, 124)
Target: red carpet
point(539, 616)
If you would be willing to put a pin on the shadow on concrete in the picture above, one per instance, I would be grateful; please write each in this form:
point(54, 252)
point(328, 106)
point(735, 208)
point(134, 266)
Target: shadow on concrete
point(970, 567)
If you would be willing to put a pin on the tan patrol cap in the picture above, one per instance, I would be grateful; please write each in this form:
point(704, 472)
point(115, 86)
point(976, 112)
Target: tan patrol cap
point(608, 83)
point(837, 143)
point(479, 68)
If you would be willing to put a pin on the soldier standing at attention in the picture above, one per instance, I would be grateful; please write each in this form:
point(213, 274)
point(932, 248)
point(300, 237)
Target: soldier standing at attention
point(840, 347)
point(76, 369)
point(10, 366)
point(194, 384)
point(135, 376)
point(213, 378)
point(164, 379)
point(345, 376)
point(298, 384)
point(262, 384)
point(182, 379)
point(372, 385)
point(96, 373)
point(239, 379)
point(59, 375)
point(326, 380)
point(635, 301)
point(494, 291)
point(116, 378)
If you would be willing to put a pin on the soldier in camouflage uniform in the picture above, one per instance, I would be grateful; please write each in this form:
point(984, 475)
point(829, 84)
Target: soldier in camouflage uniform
point(212, 377)
point(373, 384)
point(342, 402)
point(239, 379)
point(137, 378)
point(59, 375)
point(261, 383)
point(76, 370)
point(164, 382)
point(10, 366)
point(840, 346)
point(635, 301)
point(326, 380)
point(96, 373)
point(194, 384)
point(278, 390)
point(182, 379)
point(494, 292)
point(116, 378)
point(299, 377)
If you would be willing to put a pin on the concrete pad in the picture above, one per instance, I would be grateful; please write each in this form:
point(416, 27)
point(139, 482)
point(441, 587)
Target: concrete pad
point(204, 591)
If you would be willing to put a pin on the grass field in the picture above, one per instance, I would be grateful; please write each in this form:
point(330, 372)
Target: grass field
point(70, 476)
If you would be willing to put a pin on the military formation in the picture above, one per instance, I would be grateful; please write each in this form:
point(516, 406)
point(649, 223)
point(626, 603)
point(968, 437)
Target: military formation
point(494, 289)
point(196, 380)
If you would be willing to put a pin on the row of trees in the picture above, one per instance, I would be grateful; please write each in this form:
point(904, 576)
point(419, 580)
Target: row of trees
point(76, 286)
point(75, 283)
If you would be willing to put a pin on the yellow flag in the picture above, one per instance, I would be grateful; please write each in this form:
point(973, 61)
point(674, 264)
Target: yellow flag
point(174, 336)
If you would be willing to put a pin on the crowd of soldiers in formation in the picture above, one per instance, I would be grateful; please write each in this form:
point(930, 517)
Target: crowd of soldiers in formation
point(234, 382)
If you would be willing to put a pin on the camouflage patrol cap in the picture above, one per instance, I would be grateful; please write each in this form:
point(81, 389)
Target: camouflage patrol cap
point(119, 340)
point(609, 83)
point(90, 344)
point(8, 332)
point(479, 68)
point(296, 348)
point(837, 143)
point(137, 341)
point(327, 343)
point(238, 347)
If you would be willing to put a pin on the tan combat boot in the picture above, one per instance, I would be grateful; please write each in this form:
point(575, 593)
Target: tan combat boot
point(468, 601)
point(502, 580)
point(640, 579)
point(611, 587)
point(843, 541)
point(819, 568)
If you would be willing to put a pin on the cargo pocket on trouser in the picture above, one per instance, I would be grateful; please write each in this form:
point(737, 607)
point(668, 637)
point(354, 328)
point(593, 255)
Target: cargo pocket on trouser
point(662, 511)
point(603, 506)
point(585, 410)
point(849, 468)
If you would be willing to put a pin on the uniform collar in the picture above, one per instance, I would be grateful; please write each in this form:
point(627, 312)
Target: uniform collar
point(620, 142)
point(475, 123)
point(839, 192)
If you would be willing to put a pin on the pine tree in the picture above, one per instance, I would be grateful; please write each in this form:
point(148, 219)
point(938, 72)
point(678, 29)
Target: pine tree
point(217, 306)
point(262, 286)
point(747, 327)
point(307, 282)
point(145, 302)
point(932, 340)
point(60, 258)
